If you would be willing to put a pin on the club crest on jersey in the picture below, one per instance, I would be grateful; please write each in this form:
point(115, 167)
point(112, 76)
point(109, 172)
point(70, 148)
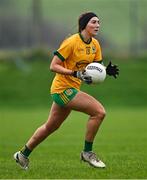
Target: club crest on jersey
point(69, 92)
point(93, 50)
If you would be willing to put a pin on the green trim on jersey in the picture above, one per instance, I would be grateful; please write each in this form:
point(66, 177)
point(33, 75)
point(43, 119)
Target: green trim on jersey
point(59, 55)
point(84, 40)
point(65, 97)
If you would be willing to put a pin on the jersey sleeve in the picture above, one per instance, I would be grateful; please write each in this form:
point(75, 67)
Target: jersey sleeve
point(98, 55)
point(64, 50)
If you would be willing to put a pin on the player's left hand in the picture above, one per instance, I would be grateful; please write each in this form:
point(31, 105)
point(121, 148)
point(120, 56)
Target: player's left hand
point(112, 70)
point(82, 75)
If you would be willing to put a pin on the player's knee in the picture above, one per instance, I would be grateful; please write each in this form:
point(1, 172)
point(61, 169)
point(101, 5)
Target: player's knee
point(100, 113)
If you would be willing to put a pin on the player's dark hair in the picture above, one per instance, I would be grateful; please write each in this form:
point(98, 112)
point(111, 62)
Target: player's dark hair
point(84, 19)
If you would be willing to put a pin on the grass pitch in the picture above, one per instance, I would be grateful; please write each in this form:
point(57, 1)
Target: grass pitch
point(121, 144)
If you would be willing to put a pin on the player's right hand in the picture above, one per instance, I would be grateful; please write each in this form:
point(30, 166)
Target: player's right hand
point(83, 76)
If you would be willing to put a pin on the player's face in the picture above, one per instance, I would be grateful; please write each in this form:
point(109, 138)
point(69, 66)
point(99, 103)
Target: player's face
point(93, 26)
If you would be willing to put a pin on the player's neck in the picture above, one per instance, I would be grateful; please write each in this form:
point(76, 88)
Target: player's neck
point(86, 37)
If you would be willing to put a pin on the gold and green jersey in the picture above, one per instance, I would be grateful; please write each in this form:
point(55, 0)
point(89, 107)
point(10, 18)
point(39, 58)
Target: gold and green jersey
point(75, 55)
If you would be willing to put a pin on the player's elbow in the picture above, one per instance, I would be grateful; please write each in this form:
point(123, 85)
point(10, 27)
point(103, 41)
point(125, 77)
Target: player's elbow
point(56, 62)
point(52, 68)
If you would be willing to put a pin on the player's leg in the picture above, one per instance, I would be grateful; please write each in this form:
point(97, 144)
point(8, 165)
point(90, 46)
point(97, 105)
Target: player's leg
point(85, 103)
point(57, 116)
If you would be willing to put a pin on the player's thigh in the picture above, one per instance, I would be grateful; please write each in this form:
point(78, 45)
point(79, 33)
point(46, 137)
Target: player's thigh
point(58, 114)
point(85, 103)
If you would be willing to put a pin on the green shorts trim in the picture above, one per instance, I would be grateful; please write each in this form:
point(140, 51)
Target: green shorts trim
point(65, 97)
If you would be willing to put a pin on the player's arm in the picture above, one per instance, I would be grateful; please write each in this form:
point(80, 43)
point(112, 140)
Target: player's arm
point(57, 66)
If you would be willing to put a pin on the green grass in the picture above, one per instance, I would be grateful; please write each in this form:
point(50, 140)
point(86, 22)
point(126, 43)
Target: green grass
point(121, 143)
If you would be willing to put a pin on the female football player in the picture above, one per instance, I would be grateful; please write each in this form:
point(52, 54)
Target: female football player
point(69, 62)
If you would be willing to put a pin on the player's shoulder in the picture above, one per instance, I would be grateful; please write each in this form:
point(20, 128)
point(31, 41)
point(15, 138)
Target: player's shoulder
point(95, 41)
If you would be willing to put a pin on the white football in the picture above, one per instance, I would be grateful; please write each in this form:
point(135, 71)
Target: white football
point(97, 72)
